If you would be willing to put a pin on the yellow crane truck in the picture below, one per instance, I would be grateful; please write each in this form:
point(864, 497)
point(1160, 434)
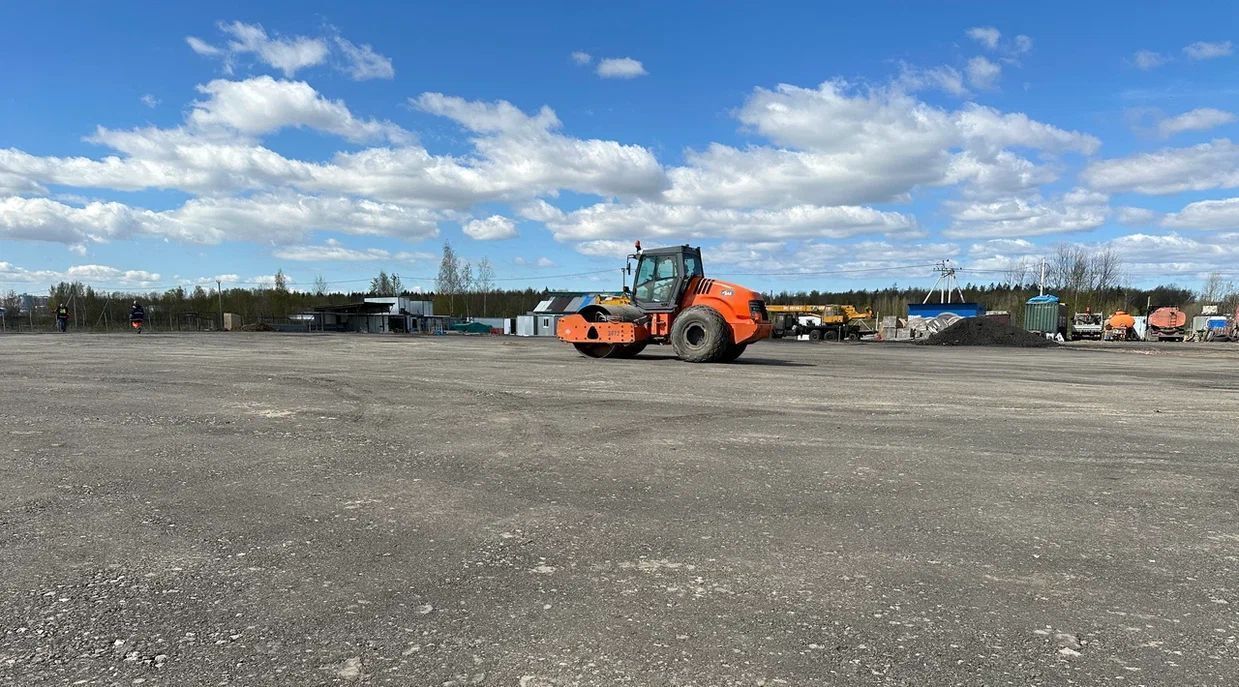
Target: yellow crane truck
point(819, 322)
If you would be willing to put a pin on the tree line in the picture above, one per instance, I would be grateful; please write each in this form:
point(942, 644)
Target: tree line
point(199, 307)
point(1082, 279)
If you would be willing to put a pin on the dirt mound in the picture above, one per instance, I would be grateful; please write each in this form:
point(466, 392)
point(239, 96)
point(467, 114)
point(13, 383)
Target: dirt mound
point(983, 331)
point(257, 327)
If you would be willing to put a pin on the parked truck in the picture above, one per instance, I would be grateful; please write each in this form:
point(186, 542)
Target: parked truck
point(1166, 323)
point(1086, 325)
point(819, 322)
point(1120, 327)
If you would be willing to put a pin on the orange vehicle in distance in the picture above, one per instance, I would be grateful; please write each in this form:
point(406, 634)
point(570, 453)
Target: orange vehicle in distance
point(671, 301)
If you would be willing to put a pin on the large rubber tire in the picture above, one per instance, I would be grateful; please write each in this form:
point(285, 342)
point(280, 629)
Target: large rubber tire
point(734, 351)
point(832, 335)
point(700, 335)
point(815, 335)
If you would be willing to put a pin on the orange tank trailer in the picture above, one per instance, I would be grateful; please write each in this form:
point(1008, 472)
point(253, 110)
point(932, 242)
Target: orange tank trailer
point(1120, 327)
point(1166, 324)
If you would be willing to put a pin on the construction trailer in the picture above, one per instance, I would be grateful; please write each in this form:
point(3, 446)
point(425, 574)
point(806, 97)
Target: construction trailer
point(525, 325)
point(535, 325)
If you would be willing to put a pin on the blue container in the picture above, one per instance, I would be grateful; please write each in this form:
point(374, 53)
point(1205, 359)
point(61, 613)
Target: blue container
point(931, 310)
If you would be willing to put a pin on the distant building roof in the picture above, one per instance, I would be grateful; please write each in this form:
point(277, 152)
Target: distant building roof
point(354, 308)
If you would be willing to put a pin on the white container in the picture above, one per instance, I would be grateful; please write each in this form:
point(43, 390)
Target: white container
point(525, 325)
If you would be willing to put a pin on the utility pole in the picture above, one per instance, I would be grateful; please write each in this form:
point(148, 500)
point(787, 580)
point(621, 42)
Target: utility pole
point(219, 289)
point(1042, 282)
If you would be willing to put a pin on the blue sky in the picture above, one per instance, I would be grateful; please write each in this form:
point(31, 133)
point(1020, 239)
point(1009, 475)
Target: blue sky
point(802, 145)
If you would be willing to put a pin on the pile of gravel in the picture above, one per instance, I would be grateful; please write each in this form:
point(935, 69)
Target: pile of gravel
point(984, 331)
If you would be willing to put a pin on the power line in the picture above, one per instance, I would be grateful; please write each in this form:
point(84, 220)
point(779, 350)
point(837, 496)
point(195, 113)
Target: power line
point(824, 272)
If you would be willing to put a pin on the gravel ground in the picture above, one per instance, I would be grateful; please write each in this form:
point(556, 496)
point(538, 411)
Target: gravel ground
point(267, 509)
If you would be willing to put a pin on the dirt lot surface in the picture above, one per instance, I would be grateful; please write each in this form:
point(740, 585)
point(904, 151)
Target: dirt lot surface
point(266, 509)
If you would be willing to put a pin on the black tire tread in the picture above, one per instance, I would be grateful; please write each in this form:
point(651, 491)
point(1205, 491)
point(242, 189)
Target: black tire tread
point(734, 351)
point(718, 335)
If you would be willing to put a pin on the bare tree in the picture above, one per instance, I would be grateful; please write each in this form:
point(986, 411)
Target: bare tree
point(466, 283)
point(1215, 289)
point(1083, 276)
point(1106, 268)
point(1021, 273)
point(320, 285)
point(485, 280)
point(448, 281)
point(1068, 268)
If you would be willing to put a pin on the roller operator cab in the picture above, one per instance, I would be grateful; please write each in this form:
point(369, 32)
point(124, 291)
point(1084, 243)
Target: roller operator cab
point(670, 301)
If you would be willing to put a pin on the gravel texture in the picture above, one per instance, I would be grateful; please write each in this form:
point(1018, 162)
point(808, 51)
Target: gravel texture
point(266, 509)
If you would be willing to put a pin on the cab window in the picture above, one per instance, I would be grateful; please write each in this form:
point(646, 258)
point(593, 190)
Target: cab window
point(656, 278)
point(693, 266)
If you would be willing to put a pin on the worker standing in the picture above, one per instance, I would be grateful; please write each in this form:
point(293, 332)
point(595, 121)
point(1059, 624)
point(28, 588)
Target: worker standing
point(62, 318)
point(137, 316)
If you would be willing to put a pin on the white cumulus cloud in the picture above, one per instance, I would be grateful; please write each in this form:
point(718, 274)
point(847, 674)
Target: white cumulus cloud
point(202, 47)
point(1200, 119)
point(285, 54)
point(982, 73)
point(1206, 214)
point(1171, 170)
point(363, 63)
point(1147, 59)
point(985, 35)
point(98, 275)
point(331, 251)
point(291, 54)
point(606, 248)
point(1202, 50)
point(262, 105)
point(271, 219)
point(1074, 211)
point(492, 228)
point(1133, 216)
point(620, 68)
point(644, 219)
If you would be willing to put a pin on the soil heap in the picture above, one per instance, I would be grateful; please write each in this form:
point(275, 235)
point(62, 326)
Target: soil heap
point(984, 331)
